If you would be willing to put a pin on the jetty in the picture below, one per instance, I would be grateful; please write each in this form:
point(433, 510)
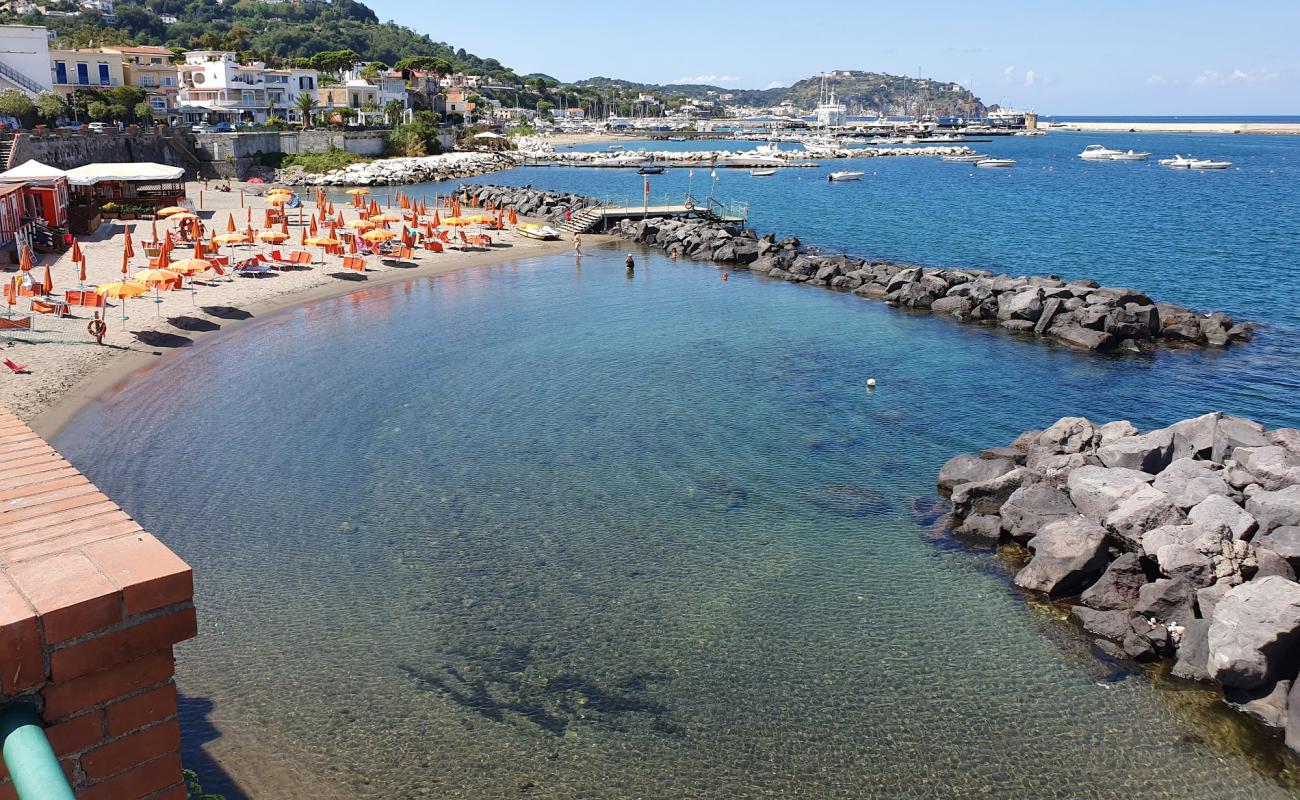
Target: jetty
point(608, 214)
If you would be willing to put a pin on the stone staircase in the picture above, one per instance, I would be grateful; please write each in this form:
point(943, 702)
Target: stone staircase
point(6, 151)
point(583, 221)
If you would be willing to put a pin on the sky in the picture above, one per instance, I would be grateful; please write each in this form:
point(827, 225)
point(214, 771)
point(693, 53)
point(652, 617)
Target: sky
point(1140, 57)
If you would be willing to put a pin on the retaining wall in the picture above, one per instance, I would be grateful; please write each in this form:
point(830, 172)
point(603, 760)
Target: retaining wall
point(69, 149)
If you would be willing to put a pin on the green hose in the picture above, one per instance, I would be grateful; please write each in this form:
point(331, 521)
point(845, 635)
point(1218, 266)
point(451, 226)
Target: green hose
point(33, 767)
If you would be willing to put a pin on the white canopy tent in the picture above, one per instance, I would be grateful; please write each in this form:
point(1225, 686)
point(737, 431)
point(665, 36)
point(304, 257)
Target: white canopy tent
point(141, 171)
point(32, 170)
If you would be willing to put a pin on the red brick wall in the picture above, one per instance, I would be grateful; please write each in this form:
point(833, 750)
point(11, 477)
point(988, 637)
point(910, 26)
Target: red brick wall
point(90, 606)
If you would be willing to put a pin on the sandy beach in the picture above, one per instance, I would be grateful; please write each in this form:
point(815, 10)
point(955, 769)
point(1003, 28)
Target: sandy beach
point(67, 367)
point(1273, 128)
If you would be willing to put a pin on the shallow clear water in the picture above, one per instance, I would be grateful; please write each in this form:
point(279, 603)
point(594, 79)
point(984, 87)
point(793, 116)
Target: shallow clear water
point(546, 531)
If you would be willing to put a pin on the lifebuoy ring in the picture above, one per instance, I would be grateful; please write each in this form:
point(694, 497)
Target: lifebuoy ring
point(97, 328)
point(690, 206)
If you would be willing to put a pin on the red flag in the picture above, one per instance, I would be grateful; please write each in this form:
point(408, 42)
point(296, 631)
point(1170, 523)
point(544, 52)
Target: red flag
point(647, 187)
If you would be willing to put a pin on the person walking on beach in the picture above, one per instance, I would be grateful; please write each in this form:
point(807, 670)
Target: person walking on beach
point(577, 245)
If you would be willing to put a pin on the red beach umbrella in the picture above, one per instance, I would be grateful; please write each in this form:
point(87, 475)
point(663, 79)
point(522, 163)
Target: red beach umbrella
point(127, 245)
point(126, 263)
point(82, 274)
point(76, 250)
point(48, 282)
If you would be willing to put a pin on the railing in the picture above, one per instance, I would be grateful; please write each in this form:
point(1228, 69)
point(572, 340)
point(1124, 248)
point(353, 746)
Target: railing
point(30, 86)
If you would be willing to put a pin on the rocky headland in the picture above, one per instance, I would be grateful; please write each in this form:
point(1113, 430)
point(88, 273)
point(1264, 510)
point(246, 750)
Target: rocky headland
point(1180, 543)
point(1081, 314)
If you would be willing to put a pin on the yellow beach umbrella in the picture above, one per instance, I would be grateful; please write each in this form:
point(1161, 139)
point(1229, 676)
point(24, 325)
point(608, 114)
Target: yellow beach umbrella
point(358, 192)
point(285, 192)
point(184, 216)
point(154, 277)
point(387, 216)
point(322, 241)
point(274, 237)
point(359, 224)
point(230, 238)
point(482, 219)
point(189, 266)
point(121, 291)
point(378, 236)
point(169, 210)
point(456, 222)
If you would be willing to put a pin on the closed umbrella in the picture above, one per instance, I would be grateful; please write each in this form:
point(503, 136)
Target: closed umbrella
point(48, 282)
point(25, 262)
point(230, 222)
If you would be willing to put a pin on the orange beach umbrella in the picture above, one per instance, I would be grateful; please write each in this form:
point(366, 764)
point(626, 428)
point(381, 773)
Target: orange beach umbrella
point(230, 222)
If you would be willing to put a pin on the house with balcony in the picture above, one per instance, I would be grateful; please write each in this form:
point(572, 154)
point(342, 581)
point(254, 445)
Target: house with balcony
point(71, 70)
point(215, 87)
point(25, 59)
point(150, 68)
point(284, 86)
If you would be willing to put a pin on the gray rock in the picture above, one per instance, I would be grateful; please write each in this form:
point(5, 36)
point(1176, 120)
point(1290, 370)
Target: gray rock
point(1050, 307)
point(981, 526)
point(1288, 438)
point(1067, 435)
point(1268, 563)
point(987, 497)
point(1112, 625)
point(1068, 555)
point(1144, 509)
point(1208, 599)
point(1284, 541)
point(1293, 717)
point(1274, 467)
point(1056, 468)
point(1254, 634)
point(1004, 452)
point(1149, 452)
point(1138, 647)
point(1181, 561)
point(902, 278)
point(1114, 431)
point(957, 306)
point(967, 469)
point(1117, 588)
point(1275, 509)
point(1193, 651)
point(1166, 599)
point(1194, 438)
point(1267, 704)
point(1031, 508)
point(1083, 338)
point(1096, 491)
point(1233, 432)
point(1219, 510)
point(1189, 482)
point(1165, 535)
point(1026, 305)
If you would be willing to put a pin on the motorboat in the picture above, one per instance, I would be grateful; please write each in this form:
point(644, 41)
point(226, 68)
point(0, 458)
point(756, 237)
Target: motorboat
point(676, 138)
point(615, 147)
point(1131, 156)
point(1096, 152)
point(996, 162)
point(762, 173)
point(845, 175)
point(1178, 162)
point(650, 171)
point(970, 159)
point(1208, 164)
point(541, 232)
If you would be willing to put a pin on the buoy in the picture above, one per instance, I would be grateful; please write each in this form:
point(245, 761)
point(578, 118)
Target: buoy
point(871, 383)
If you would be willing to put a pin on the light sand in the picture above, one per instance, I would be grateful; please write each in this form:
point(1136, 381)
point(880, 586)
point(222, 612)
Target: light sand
point(67, 373)
point(1184, 127)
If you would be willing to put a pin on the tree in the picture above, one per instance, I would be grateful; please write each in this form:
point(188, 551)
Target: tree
point(335, 60)
point(97, 110)
point(306, 104)
point(15, 104)
point(50, 106)
point(544, 107)
point(393, 110)
point(116, 111)
point(143, 111)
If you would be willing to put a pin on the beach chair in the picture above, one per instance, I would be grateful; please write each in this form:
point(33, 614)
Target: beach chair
point(57, 307)
point(433, 245)
point(17, 369)
point(483, 240)
point(252, 267)
point(354, 262)
point(400, 255)
point(279, 259)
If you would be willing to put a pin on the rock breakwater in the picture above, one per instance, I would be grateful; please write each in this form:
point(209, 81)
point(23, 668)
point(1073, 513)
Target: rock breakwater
point(1081, 314)
point(448, 166)
point(1180, 543)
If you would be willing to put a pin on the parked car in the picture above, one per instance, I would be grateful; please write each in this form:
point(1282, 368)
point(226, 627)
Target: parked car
point(99, 127)
point(223, 127)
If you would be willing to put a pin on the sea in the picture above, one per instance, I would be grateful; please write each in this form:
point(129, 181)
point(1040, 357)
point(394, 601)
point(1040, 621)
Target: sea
point(554, 529)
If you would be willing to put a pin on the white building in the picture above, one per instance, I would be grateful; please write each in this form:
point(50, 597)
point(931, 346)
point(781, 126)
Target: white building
point(215, 87)
point(389, 86)
point(25, 59)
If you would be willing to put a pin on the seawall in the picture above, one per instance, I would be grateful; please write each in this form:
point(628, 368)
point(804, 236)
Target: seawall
point(1081, 314)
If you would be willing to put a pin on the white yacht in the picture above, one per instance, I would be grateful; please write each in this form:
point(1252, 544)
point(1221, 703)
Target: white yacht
point(845, 175)
point(996, 162)
point(1096, 152)
point(762, 173)
point(1131, 156)
point(1208, 164)
point(970, 159)
point(1178, 162)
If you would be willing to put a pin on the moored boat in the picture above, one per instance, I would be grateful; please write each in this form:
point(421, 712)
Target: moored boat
point(1178, 162)
point(1131, 156)
point(969, 159)
point(996, 162)
point(845, 175)
point(762, 173)
point(650, 171)
point(1096, 152)
point(534, 231)
point(1208, 164)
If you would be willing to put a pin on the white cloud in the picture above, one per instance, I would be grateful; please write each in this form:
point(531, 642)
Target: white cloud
point(1212, 77)
point(1156, 80)
point(1029, 78)
point(1008, 74)
point(708, 79)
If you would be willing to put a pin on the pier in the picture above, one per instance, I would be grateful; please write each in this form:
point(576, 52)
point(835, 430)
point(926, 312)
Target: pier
point(609, 213)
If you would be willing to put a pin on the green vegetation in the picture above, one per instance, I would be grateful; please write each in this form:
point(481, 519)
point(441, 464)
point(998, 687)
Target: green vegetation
point(416, 138)
point(193, 791)
point(328, 161)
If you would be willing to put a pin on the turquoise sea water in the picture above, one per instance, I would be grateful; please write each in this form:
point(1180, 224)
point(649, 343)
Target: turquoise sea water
point(547, 530)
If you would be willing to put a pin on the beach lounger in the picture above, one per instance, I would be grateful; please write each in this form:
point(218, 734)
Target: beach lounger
point(56, 307)
point(279, 259)
point(17, 369)
point(433, 246)
point(23, 323)
point(252, 267)
point(354, 262)
point(401, 254)
point(301, 258)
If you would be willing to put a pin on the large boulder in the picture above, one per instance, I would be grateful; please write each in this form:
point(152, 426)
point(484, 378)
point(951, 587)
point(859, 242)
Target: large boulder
point(1293, 717)
point(1149, 452)
point(1189, 482)
point(1117, 588)
point(1284, 541)
point(1275, 509)
point(1274, 467)
point(1193, 651)
point(1145, 508)
point(987, 497)
point(1112, 625)
point(1267, 704)
point(1082, 338)
point(1217, 510)
point(1180, 560)
point(1096, 491)
point(1066, 435)
point(1194, 438)
point(971, 469)
point(1031, 508)
point(1255, 633)
point(1233, 432)
point(1068, 555)
point(1026, 305)
point(1167, 599)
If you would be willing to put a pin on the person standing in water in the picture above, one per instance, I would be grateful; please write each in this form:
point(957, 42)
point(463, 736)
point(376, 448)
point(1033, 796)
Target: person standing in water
point(577, 245)
point(630, 263)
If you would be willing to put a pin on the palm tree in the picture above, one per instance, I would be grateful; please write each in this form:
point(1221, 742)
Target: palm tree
point(306, 104)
